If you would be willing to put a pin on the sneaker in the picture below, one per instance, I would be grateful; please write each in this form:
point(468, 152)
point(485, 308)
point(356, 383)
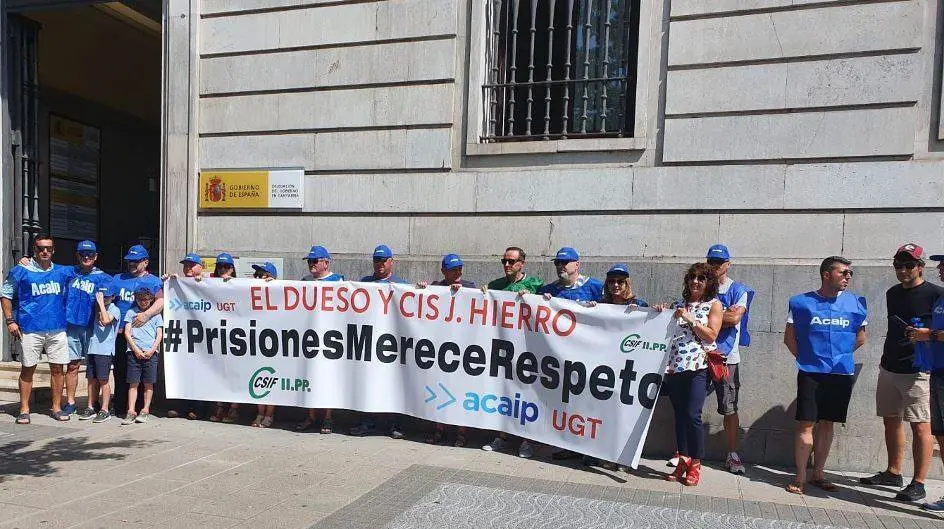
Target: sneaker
point(129, 419)
point(913, 492)
point(496, 445)
point(673, 462)
point(396, 433)
point(361, 429)
point(733, 464)
point(937, 506)
point(69, 409)
point(526, 450)
point(87, 413)
point(143, 418)
point(102, 416)
point(883, 478)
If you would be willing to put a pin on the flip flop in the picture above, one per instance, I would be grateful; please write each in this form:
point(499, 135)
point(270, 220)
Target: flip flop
point(60, 416)
point(23, 418)
point(795, 488)
point(824, 484)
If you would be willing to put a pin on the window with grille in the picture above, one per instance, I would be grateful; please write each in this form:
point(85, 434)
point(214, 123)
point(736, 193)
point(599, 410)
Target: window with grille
point(560, 69)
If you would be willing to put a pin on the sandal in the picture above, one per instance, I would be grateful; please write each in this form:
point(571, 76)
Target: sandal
point(327, 426)
point(172, 414)
point(460, 441)
point(192, 416)
point(232, 416)
point(436, 437)
point(23, 418)
point(60, 416)
point(218, 413)
point(267, 421)
point(824, 484)
point(304, 425)
point(795, 488)
point(257, 421)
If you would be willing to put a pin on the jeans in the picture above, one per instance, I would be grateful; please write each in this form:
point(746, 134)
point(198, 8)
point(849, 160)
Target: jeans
point(687, 392)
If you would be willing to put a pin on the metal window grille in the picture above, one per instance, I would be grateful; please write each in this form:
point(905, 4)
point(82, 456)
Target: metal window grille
point(559, 69)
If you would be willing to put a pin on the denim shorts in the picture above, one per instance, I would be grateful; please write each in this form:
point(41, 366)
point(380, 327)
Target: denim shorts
point(78, 338)
point(141, 370)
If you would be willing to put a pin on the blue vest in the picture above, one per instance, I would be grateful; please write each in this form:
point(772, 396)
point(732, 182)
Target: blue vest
point(590, 290)
point(80, 296)
point(41, 297)
point(937, 348)
point(126, 284)
point(727, 335)
point(826, 331)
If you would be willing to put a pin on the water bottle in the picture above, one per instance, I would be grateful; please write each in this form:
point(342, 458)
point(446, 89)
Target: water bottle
point(922, 359)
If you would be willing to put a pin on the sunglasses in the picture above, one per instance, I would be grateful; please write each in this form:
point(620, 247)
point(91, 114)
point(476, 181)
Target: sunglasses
point(699, 278)
point(86, 255)
point(562, 262)
point(715, 262)
point(316, 261)
point(846, 273)
point(381, 259)
point(910, 265)
point(509, 262)
point(40, 249)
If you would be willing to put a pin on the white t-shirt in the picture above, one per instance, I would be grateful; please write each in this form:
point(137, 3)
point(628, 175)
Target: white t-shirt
point(734, 357)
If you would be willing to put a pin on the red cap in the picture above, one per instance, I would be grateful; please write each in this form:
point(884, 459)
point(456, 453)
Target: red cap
point(912, 250)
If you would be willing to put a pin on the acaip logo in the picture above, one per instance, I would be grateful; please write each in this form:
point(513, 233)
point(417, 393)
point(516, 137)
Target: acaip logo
point(635, 341)
point(261, 382)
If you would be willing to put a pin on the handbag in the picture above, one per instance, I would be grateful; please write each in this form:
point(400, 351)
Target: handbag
point(717, 367)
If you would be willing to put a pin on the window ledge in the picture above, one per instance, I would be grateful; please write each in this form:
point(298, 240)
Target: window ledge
point(556, 146)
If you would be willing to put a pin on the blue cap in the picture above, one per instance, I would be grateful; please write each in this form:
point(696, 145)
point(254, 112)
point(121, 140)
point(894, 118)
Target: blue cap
point(567, 254)
point(86, 246)
point(383, 251)
point(618, 268)
point(108, 289)
point(152, 290)
point(192, 258)
point(225, 258)
point(451, 260)
point(267, 267)
point(718, 251)
point(939, 257)
point(137, 253)
point(318, 252)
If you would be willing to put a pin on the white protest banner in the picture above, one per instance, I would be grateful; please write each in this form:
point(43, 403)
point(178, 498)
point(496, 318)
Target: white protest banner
point(557, 372)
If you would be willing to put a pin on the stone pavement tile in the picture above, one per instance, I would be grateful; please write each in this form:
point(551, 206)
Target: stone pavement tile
point(152, 511)
point(196, 470)
point(283, 518)
point(190, 520)
point(12, 511)
point(63, 514)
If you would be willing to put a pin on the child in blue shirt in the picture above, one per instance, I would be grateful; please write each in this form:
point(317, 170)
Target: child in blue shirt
point(101, 353)
point(143, 345)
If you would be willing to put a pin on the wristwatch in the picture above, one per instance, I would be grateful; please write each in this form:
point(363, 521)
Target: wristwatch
point(10, 320)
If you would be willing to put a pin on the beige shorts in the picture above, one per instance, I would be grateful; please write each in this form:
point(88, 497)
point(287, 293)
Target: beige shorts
point(32, 345)
point(904, 395)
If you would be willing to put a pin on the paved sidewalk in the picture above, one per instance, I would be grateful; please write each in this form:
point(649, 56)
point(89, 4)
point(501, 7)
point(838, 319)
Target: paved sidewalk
point(179, 473)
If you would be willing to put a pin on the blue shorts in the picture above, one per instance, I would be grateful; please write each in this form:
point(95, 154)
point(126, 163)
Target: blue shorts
point(141, 370)
point(98, 367)
point(78, 338)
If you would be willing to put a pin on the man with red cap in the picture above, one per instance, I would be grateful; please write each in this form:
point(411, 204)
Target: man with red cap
point(903, 392)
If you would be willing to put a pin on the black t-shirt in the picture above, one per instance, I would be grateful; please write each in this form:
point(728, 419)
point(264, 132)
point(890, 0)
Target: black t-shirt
point(917, 302)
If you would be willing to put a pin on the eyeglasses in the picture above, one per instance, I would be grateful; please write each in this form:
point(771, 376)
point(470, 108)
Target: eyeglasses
point(846, 273)
point(699, 278)
point(509, 262)
point(41, 249)
point(86, 255)
point(316, 261)
point(562, 262)
point(380, 259)
point(715, 262)
point(910, 265)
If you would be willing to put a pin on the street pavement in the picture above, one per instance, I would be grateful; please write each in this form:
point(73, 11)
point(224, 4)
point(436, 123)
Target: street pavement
point(197, 474)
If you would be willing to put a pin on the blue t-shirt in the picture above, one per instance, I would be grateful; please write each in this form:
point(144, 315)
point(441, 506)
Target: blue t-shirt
point(80, 296)
point(332, 277)
point(144, 335)
point(826, 331)
point(392, 279)
point(937, 348)
point(40, 296)
point(126, 284)
point(584, 289)
point(102, 341)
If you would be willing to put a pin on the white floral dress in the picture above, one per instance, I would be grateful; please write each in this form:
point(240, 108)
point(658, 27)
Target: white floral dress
point(687, 350)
